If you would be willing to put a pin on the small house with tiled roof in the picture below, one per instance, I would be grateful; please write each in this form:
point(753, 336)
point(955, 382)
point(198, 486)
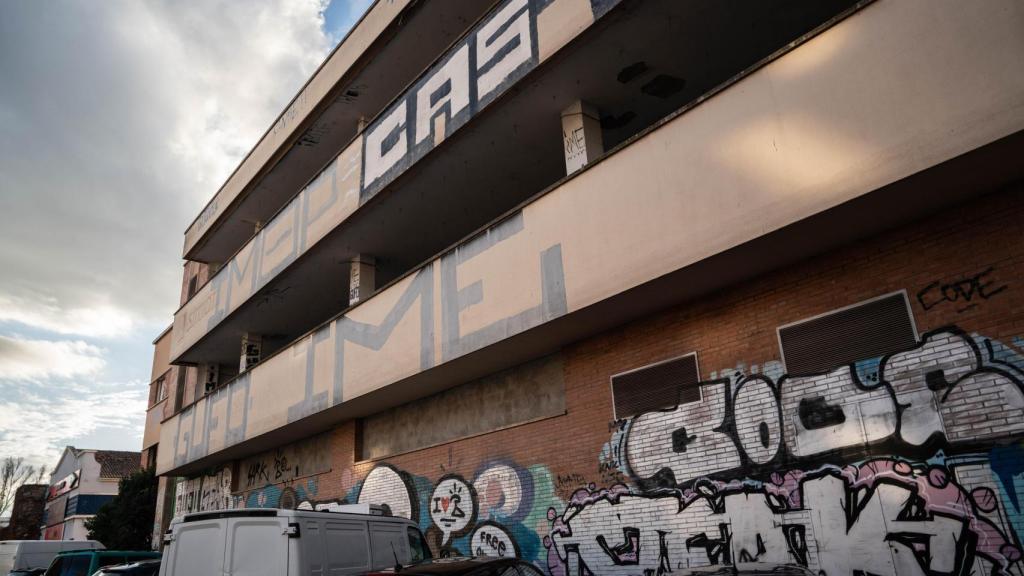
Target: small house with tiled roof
point(82, 481)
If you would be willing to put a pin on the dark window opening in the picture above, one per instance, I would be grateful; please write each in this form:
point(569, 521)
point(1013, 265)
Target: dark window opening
point(865, 330)
point(656, 387)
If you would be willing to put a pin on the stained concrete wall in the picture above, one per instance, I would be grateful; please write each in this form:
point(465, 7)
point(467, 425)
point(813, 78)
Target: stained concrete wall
point(522, 394)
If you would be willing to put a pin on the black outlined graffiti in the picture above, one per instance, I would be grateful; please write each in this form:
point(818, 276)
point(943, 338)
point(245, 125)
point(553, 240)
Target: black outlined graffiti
point(859, 518)
point(965, 292)
point(754, 424)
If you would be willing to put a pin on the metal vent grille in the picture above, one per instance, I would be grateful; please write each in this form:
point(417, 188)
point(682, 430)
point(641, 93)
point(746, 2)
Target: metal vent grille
point(657, 386)
point(866, 330)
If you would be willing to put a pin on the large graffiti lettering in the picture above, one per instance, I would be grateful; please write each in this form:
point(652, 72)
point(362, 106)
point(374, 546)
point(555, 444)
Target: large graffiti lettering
point(907, 465)
point(914, 519)
point(910, 464)
point(912, 400)
point(203, 493)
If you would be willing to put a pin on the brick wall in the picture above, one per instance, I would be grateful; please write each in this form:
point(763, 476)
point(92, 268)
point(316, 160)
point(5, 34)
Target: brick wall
point(920, 469)
point(26, 513)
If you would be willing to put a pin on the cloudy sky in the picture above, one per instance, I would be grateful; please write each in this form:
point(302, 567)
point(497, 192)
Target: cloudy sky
point(119, 119)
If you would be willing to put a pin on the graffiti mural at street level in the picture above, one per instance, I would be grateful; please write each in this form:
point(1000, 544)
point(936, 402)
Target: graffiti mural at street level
point(910, 464)
point(906, 465)
point(885, 516)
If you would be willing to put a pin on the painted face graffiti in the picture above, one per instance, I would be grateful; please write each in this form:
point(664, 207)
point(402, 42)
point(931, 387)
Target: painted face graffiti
point(447, 508)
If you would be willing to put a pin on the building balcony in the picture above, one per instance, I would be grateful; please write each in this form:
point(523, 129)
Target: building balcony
point(390, 45)
point(476, 135)
point(816, 147)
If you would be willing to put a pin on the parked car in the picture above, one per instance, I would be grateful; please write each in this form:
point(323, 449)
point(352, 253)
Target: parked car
point(87, 562)
point(22, 557)
point(139, 568)
point(350, 539)
point(464, 566)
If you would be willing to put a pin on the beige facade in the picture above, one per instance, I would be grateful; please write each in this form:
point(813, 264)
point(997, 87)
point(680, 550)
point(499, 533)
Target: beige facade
point(790, 140)
point(626, 287)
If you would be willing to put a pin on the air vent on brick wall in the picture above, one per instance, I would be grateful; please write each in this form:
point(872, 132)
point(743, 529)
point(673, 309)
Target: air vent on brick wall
point(864, 330)
point(656, 386)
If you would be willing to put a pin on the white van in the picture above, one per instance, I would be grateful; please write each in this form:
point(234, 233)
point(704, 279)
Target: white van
point(270, 542)
point(29, 555)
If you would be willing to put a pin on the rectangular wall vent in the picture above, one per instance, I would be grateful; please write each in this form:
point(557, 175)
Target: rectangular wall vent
point(864, 330)
point(656, 386)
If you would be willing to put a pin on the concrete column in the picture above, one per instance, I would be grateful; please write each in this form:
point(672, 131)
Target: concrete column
point(581, 135)
point(252, 347)
point(361, 279)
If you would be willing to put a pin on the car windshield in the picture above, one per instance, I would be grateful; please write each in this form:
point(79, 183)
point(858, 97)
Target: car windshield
point(69, 566)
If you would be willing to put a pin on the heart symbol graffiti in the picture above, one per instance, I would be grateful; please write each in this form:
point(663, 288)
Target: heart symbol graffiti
point(444, 503)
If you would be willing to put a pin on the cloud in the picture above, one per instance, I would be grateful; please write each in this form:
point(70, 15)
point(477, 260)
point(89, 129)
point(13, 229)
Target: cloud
point(23, 359)
point(102, 321)
point(119, 121)
point(36, 425)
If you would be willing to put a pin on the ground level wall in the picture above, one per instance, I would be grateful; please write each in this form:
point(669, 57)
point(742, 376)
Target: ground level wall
point(918, 469)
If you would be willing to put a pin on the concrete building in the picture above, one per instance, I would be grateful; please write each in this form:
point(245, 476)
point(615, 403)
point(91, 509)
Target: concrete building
point(82, 481)
point(162, 386)
point(625, 287)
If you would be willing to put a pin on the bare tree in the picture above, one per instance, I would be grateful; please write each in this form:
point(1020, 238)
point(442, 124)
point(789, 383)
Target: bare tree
point(13, 473)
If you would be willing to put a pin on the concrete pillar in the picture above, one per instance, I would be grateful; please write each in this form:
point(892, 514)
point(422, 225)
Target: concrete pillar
point(361, 279)
point(252, 347)
point(581, 135)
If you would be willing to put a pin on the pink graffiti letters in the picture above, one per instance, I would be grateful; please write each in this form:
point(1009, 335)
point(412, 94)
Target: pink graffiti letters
point(836, 520)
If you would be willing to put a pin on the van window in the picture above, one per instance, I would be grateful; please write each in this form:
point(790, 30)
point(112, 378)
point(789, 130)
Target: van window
point(256, 545)
point(418, 549)
point(387, 545)
point(346, 545)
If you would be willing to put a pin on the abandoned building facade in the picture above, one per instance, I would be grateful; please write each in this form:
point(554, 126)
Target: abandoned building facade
point(624, 287)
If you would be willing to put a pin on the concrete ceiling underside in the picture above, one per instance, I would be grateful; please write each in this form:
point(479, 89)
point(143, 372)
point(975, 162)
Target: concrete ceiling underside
point(513, 149)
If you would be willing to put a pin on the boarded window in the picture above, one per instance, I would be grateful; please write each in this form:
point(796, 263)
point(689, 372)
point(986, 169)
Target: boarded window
point(864, 330)
point(656, 386)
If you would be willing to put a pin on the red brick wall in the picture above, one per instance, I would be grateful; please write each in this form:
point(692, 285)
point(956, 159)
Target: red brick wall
point(524, 477)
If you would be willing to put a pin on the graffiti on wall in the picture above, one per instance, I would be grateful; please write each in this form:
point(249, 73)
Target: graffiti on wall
point(501, 512)
point(203, 493)
point(340, 360)
point(912, 400)
point(906, 464)
point(486, 62)
point(285, 464)
point(964, 293)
